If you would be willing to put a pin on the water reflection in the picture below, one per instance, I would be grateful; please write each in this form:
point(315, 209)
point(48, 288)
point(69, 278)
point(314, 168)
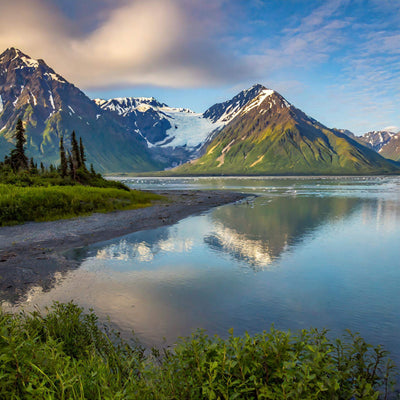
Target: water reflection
point(142, 251)
point(294, 259)
point(260, 233)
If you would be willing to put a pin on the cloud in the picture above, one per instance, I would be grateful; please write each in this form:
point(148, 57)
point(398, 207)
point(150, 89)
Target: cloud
point(310, 42)
point(158, 42)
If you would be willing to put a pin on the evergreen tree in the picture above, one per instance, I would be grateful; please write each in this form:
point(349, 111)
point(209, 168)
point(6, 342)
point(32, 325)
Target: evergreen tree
point(72, 170)
point(82, 153)
point(92, 171)
point(18, 159)
point(63, 159)
point(32, 167)
point(42, 169)
point(76, 155)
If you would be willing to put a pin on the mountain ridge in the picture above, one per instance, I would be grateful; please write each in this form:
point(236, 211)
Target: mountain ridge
point(144, 134)
point(271, 136)
point(50, 106)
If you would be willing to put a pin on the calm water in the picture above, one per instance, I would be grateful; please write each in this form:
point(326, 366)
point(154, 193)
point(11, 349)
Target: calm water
point(305, 252)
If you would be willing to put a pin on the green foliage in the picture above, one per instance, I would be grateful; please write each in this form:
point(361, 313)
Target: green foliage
point(18, 159)
point(63, 159)
point(38, 203)
point(65, 355)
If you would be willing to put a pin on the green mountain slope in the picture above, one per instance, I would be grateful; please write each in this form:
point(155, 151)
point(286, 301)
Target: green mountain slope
point(270, 136)
point(49, 107)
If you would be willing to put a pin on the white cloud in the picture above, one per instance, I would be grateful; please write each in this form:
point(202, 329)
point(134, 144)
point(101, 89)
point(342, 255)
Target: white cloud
point(158, 42)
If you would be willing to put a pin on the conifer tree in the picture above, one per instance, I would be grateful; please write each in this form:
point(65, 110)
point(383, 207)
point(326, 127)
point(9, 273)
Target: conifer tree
point(42, 169)
point(76, 155)
point(32, 166)
point(72, 170)
point(18, 158)
point(82, 153)
point(63, 159)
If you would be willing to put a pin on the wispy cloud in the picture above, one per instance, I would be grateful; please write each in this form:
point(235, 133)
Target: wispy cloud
point(158, 42)
point(311, 41)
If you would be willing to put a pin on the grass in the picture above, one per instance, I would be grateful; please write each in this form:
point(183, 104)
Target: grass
point(63, 354)
point(38, 203)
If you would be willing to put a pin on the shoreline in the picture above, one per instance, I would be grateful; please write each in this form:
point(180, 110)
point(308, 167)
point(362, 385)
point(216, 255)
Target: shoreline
point(32, 254)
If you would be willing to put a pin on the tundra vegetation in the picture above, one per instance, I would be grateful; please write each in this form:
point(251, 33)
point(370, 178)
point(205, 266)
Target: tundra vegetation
point(29, 192)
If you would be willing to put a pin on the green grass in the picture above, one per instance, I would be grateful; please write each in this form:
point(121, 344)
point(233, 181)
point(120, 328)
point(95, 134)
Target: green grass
point(64, 355)
point(38, 203)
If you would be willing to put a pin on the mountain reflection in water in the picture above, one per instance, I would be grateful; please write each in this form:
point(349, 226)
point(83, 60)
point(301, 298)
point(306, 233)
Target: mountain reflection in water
point(260, 234)
point(320, 253)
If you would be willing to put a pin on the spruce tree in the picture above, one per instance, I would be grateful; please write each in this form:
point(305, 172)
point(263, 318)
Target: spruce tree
point(18, 158)
point(32, 166)
point(82, 153)
point(76, 155)
point(63, 159)
point(72, 170)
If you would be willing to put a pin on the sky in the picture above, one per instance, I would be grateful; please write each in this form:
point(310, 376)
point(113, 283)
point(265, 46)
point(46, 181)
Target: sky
point(337, 60)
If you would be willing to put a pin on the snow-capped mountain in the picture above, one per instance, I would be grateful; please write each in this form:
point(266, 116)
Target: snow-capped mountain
point(257, 131)
point(50, 106)
point(226, 111)
point(176, 135)
point(268, 135)
point(377, 139)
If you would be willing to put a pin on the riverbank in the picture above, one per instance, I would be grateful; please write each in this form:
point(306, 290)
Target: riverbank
point(32, 254)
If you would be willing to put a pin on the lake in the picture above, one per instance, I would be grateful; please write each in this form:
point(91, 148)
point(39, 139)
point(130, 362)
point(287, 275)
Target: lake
point(298, 253)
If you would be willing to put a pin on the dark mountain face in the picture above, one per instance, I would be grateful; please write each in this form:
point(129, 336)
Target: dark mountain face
point(227, 110)
point(391, 149)
point(50, 107)
point(270, 136)
point(142, 114)
point(377, 139)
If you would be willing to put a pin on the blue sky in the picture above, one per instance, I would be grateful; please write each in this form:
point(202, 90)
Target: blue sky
point(337, 60)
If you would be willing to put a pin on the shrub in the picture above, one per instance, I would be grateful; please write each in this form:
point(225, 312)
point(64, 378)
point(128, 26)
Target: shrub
point(64, 354)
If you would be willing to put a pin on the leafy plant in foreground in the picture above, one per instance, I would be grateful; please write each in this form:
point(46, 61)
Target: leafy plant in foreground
point(64, 354)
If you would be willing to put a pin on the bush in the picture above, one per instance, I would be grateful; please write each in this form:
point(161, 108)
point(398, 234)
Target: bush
point(65, 354)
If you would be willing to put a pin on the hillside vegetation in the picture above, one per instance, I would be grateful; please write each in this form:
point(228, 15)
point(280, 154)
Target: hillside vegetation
point(64, 355)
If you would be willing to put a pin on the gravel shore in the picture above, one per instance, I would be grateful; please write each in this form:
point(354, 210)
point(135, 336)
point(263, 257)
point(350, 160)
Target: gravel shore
point(31, 254)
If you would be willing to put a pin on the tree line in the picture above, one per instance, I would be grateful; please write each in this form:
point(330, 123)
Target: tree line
point(72, 161)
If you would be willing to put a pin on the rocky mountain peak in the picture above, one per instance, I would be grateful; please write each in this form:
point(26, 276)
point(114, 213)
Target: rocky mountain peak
point(226, 111)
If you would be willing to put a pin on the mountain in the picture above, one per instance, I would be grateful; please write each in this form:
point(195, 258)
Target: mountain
point(176, 135)
point(385, 142)
point(256, 132)
point(391, 149)
point(270, 136)
point(344, 132)
point(173, 135)
point(50, 106)
point(377, 139)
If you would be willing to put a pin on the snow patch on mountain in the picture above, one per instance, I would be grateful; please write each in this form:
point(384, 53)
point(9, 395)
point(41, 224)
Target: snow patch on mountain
point(378, 139)
point(126, 105)
point(1, 104)
point(188, 129)
point(51, 100)
point(30, 62)
point(258, 100)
